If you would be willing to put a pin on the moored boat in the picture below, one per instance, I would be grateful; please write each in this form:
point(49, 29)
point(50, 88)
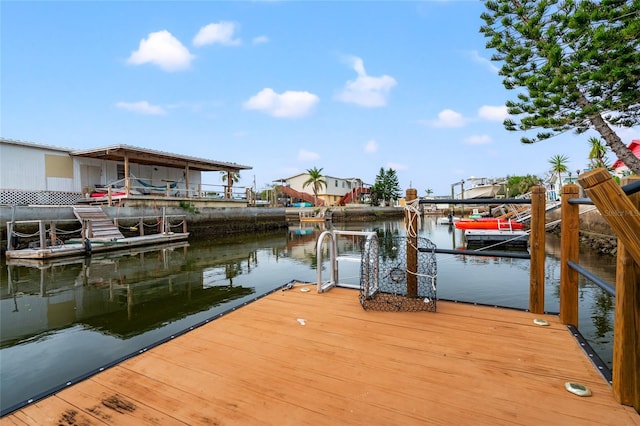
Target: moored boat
point(489, 223)
point(479, 188)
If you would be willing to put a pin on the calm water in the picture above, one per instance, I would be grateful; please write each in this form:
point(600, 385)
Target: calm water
point(67, 319)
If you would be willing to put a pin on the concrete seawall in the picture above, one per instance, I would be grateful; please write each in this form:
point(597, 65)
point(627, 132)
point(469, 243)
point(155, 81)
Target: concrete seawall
point(208, 221)
point(228, 220)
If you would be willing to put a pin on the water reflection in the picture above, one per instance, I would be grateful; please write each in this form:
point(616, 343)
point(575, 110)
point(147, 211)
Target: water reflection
point(123, 294)
point(60, 320)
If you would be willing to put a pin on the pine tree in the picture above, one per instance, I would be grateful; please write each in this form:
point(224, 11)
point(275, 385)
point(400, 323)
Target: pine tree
point(573, 63)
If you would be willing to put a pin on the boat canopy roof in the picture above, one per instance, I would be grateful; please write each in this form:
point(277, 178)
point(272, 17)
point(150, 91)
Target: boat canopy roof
point(158, 158)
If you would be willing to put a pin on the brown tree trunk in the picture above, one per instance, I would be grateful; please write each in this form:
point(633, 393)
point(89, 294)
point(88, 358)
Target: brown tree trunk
point(619, 148)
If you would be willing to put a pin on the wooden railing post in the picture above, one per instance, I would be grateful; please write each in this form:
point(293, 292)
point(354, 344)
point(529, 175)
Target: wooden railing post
point(569, 243)
point(411, 225)
point(626, 337)
point(537, 242)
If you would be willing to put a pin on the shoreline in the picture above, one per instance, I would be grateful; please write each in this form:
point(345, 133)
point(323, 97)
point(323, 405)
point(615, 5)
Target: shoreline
point(219, 221)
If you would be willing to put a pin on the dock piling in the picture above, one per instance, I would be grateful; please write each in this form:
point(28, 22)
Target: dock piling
point(411, 224)
point(537, 243)
point(569, 229)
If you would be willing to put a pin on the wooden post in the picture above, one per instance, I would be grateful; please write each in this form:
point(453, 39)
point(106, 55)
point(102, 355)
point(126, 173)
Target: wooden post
point(184, 224)
point(127, 183)
point(141, 226)
point(186, 181)
point(52, 233)
point(616, 208)
point(10, 236)
point(626, 338)
point(43, 234)
point(569, 239)
point(537, 243)
point(411, 225)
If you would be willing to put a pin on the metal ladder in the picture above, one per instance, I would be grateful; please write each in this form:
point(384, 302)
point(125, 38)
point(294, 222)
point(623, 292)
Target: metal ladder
point(366, 260)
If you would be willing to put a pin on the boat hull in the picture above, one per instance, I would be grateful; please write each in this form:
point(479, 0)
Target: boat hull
point(501, 225)
point(480, 191)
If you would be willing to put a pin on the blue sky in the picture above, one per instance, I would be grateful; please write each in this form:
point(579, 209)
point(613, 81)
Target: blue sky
point(348, 87)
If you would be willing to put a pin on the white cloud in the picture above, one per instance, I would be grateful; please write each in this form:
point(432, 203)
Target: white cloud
point(304, 155)
point(220, 33)
point(142, 107)
point(371, 146)
point(164, 50)
point(448, 118)
point(260, 39)
point(289, 104)
point(397, 166)
point(365, 90)
point(477, 140)
point(493, 113)
point(476, 57)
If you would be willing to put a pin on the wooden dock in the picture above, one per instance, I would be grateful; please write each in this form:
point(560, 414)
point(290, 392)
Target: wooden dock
point(295, 358)
point(101, 232)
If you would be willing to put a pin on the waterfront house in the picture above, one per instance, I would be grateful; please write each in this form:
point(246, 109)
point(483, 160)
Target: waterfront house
point(337, 191)
point(35, 174)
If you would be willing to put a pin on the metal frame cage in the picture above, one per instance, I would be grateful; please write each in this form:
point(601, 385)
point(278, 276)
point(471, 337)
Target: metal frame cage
point(389, 291)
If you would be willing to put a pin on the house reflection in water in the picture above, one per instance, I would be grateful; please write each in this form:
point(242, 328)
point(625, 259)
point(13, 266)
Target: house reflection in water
point(123, 294)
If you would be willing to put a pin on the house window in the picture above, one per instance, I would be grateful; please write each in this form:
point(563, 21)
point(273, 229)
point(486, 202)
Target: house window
point(120, 171)
point(343, 184)
point(336, 181)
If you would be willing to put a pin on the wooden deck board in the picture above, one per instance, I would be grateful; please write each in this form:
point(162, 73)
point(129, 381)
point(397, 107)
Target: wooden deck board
point(258, 365)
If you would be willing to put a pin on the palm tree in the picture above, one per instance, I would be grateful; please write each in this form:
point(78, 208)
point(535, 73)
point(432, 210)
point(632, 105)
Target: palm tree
point(235, 176)
point(316, 181)
point(231, 178)
point(597, 153)
point(429, 191)
point(559, 165)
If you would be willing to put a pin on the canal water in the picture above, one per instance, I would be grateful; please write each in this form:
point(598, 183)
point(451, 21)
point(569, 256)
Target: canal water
point(63, 320)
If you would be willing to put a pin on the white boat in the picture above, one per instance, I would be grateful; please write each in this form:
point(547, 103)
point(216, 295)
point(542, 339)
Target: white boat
point(479, 188)
point(448, 220)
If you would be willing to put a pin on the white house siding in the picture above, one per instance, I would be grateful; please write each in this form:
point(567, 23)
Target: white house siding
point(23, 168)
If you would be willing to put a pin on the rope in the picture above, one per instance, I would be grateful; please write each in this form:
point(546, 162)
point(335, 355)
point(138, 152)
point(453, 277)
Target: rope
point(20, 234)
point(412, 212)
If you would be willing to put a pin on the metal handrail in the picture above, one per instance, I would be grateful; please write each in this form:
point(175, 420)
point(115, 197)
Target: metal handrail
point(475, 201)
point(593, 277)
point(333, 255)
